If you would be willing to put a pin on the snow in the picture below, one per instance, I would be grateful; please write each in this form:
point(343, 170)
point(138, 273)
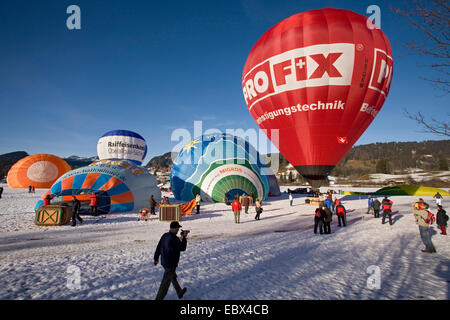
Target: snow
point(277, 257)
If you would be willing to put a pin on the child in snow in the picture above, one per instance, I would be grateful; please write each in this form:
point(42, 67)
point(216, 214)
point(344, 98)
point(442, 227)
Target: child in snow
point(441, 220)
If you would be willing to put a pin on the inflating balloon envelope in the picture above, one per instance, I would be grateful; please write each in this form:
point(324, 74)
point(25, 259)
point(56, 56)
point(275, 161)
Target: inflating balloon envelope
point(220, 166)
point(319, 78)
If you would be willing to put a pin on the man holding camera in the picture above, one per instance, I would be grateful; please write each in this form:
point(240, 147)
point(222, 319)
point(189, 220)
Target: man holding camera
point(169, 248)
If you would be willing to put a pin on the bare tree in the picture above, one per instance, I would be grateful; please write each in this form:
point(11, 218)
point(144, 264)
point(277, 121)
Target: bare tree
point(439, 127)
point(433, 19)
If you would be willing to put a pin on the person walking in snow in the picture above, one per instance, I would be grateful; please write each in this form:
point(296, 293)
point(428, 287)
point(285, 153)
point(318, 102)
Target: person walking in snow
point(152, 205)
point(258, 208)
point(376, 205)
point(76, 211)
point(438, 198)
point(424, 220)
point(236, 207)
point(30, 188)
point(1, 192)
point(441, 220)
point(328, 217)
point(341, 214)
point(291, 199)
point(319, 216)
point(169, 248)
point(387, 210)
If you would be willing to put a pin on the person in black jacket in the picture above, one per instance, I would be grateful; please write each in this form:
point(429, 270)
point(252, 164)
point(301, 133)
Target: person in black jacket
point(76, 211)
point(169, 248)
point(1, 191)
point(441, 220)
point(327, 219)
point(152, 206)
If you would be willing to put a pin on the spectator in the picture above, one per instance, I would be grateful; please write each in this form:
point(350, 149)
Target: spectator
point(441, 220)
point(152, 205)
point(197, 201)
point(319, 220)
point(94, 204)
point(376, 205)
point(342, 214)
point(245, 203)
point(327, 219)
point(424, 220)
point(169, 248)
point(387, 209)
point(438, 198)
point(236, 207)
point(258, 208)
point(76, 211)
point(369, 203)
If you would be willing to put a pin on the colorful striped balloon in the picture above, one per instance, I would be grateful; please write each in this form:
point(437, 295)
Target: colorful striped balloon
point(38, 170)
point(121, 186)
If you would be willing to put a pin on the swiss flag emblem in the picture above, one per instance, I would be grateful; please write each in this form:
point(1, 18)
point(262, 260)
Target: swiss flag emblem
point(342, 140)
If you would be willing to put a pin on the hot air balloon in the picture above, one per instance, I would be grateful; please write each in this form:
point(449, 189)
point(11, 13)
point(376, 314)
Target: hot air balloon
point(219, 164)
point(38, 170)
point(318, 79)
point(122, 144)
point(121, 186)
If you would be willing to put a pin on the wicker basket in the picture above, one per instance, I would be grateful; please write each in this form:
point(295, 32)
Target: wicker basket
point(170, 212)
point(53, 215)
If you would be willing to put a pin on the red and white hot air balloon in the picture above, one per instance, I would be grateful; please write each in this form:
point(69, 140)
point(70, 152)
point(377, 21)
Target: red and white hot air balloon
point(319, 78)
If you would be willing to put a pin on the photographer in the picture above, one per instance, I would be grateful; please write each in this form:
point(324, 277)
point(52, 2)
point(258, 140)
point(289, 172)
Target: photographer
point(169, 248)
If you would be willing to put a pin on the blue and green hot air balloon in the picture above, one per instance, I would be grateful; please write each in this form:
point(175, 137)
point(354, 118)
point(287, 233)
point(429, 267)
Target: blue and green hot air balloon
point(218, 166)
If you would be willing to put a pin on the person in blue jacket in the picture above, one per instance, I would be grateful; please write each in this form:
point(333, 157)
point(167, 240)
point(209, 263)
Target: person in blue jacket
point(369, 204)
point(169, 248)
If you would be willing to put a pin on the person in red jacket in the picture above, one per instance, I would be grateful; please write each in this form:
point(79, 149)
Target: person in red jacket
point(94, 204)
point(236, 207)
point(386, 204)
point(47, 200)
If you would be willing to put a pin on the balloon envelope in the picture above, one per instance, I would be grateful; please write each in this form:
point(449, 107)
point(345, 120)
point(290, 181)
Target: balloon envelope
point(316, 81)
point(219, 164)
point(121, 185)
point(122, 144)
point(38, 170)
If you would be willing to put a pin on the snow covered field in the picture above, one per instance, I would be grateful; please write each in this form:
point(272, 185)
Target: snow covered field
point(277, 257)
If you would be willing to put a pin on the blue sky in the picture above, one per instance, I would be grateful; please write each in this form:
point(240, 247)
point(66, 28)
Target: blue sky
point(152, 67)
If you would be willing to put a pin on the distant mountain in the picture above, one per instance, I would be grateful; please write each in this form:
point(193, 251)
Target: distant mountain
point(77, 162)
point(163, 162)
point(7, 160)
